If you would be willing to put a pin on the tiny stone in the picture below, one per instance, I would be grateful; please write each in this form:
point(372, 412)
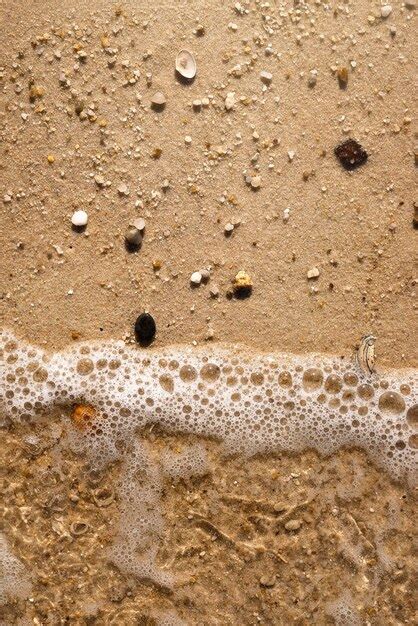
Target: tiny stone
point(205, 275)
point(133, 236)
point(342, 75)
point(145, 329)
point(197, 104)
point(214, 291)
point(99, 180)
point(79, 219)
point(386, 10)
point(123, 190)
point(158, 100)
point(266, 77)
point(293, 524)
point(230, 100)
point(196, 278)
point(242, 284)
point(187, 140)
point(255, 182)
point(313, 273)
point(351, 154)
point(267, 581)
point(139, 223)
point(50, 158)
point(229, 228)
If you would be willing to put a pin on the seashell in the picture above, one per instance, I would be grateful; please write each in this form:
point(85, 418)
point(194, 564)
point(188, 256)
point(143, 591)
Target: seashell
point(79, 528)
point(186, 64)
point(366, 354)
point(83, 415)
point(103, 497)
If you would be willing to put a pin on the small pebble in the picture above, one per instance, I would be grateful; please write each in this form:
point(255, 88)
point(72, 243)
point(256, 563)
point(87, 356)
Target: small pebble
point(158, 100)
point(99, 180)
point(266, 77)
point(187, 140)
point(342, 75)
point(267, 581)
point(293, 524)
point(133, 236)
point(145, 329)
point(123, 190)
point(228, 229)
point(214, 291)
point(230, 101)
point(313, 273)
point(79, 219)
point(139, 223)
point(255, 182)
point(242, 284)
point(386, 10)
point(351, 154)
point(196, 278)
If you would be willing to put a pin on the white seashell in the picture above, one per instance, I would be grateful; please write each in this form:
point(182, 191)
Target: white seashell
point(186, 64)
point(366, 354)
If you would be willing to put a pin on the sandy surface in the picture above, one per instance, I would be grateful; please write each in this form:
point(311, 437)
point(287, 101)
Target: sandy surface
point(354, 544)
point(356, 228)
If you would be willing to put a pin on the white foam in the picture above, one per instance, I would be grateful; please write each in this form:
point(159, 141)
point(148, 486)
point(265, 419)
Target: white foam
point(14, 581)
point(251, 402)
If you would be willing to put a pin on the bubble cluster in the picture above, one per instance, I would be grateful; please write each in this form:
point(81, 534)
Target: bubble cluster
point(249, 401)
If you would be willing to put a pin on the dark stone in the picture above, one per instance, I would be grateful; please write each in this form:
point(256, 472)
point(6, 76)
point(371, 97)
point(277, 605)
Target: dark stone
point(351, 154)
point(145, 329)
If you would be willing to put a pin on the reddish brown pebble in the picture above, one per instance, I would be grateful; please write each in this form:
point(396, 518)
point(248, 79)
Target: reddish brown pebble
point(351, 154)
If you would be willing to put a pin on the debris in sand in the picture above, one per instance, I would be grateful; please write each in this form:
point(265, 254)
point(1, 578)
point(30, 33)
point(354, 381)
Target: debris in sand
point(196, 278)
point(386, 10)
point(255, 182)
point(123, 190)
point(133, 236)
point(342, 75)
point(313, 273)
point(351, 154)
point(228, 229)
point(366, 354)
point(79, 218)
point(242, 284)
point(230, 100)
point(139, 223)
point(145, 328)
point(158, 101)
point(83, 415)
point(293, 524)
point(266, 77)
point(186, 64)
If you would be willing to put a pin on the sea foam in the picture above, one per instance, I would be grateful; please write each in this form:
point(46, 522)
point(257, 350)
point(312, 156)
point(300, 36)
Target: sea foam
point(251, 402)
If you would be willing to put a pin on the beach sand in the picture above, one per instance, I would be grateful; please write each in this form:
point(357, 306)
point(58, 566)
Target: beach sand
point(79, 132)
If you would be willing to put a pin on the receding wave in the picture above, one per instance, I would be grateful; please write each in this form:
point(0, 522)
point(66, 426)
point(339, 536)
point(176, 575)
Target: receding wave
point(251, 402)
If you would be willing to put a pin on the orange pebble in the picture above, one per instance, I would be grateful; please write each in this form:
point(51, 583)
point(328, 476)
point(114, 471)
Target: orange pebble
point(83, 415)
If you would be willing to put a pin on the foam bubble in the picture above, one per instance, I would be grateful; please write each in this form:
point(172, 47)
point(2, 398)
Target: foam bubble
point(14, 581)
point(251, 402)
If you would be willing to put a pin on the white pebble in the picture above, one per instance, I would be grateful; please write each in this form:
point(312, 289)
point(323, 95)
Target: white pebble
point(386, 10)
point(266, 77)
point(313, 273)
point(79, 218)
point(196, 278)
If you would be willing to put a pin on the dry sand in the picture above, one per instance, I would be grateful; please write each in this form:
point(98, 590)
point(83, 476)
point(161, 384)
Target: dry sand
point(356, 228)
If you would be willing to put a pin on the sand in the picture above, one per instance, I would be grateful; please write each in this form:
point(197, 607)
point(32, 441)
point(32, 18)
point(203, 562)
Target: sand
point(60, 286)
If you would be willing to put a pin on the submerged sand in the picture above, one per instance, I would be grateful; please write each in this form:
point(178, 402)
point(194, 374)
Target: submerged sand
point(351, 557)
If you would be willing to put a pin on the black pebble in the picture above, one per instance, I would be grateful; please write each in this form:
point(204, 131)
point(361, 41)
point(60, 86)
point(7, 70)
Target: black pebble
point(351, 154)
point(145, 329)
